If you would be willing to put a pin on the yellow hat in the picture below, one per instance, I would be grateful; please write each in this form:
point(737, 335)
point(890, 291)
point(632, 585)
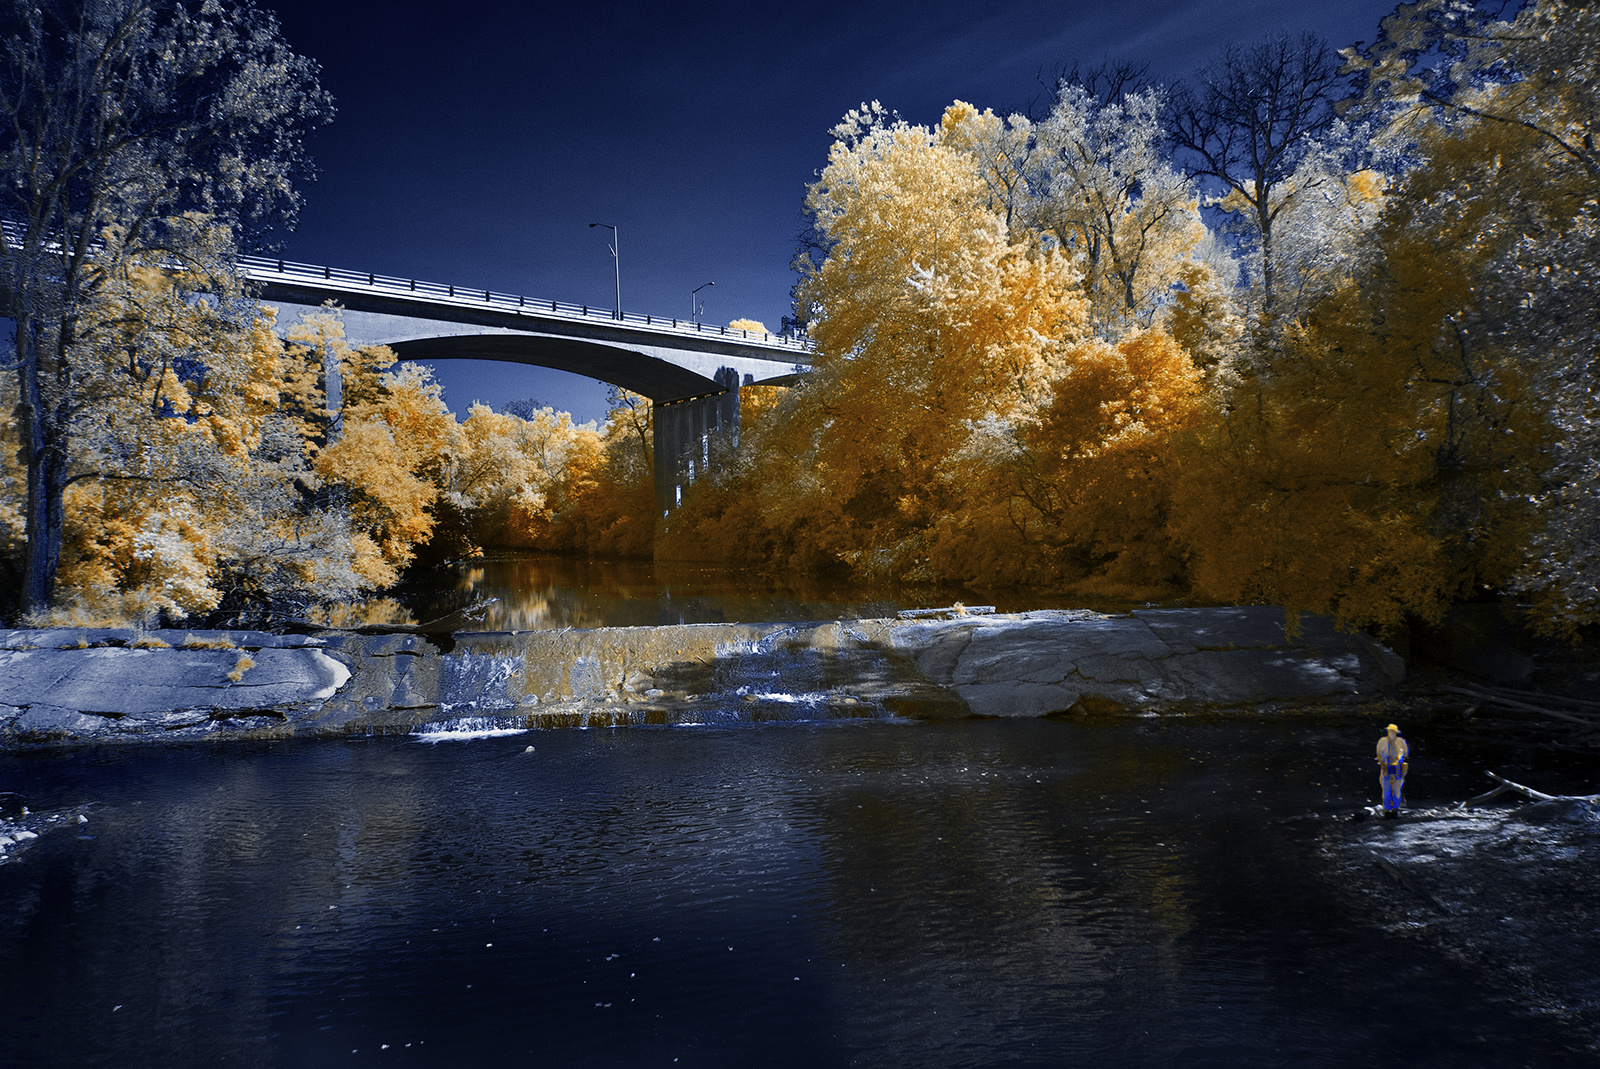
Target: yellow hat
point(1391, 727)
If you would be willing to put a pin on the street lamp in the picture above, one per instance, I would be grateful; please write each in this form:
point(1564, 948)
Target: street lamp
point(695, 308)
point(616, 263)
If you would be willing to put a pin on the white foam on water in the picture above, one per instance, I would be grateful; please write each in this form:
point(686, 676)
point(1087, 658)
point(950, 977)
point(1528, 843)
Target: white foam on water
point(810, 698)
point(465, 728)
point(807, 698)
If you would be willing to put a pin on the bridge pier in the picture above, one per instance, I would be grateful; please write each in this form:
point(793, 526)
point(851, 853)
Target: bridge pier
point(689, 433)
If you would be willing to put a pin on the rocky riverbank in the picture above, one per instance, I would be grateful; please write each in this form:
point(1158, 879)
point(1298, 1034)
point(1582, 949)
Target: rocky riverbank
point(67, 687)
point(1507, 892)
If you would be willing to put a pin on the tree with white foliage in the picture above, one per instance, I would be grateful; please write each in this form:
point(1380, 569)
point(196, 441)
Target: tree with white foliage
point(1106, 189)
point(1255, 115)
point(124, 122)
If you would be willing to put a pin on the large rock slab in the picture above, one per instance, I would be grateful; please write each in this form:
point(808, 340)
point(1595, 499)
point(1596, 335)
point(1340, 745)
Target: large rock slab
point(1033, 664)
point(103, 684)
point(120, 682)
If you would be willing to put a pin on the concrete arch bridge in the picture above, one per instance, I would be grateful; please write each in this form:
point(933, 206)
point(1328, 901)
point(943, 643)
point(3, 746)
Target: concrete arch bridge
point(691, 372)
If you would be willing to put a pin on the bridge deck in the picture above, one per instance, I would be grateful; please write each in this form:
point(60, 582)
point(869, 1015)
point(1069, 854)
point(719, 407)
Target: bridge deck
point(288, 275)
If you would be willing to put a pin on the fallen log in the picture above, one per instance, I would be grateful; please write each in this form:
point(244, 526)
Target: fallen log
point(1553, 699)
point(1512, 703)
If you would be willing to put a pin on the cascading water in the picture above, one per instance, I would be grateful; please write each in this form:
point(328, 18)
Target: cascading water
point(467, 728)
point(775, 677)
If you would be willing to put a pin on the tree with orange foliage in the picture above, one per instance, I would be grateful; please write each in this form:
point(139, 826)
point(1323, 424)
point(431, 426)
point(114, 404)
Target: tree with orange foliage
point(190, 472)
point(390, 452)
point(961, 422)
point(602, 500)
point(499, 475)
point(1093, 479)
point(1506, 112)
point(1379, 462)
point(156, 132)
point(929, 317)
point(215, 482)
point(184, 470)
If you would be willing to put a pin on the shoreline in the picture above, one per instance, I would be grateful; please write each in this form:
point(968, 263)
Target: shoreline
point(70, 687)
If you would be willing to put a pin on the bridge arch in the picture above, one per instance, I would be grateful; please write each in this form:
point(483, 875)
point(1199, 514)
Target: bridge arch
point(693, 380)
point(664, 369)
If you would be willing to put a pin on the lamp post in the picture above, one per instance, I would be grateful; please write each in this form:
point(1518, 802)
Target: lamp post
point(696, 307)
point(616, 263)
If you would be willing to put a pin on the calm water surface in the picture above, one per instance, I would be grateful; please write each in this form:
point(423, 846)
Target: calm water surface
point(1143, 892)
point(536, 591)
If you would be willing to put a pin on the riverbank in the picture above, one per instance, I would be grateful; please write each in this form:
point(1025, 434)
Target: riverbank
point(86, 686)
point(1506, 892)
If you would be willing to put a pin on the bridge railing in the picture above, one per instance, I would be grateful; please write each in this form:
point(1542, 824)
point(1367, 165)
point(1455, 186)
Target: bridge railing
point(268, 269)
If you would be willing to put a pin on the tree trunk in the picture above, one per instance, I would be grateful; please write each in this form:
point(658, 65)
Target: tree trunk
point(1268, 273)
point(41, 357)
point(47, 482)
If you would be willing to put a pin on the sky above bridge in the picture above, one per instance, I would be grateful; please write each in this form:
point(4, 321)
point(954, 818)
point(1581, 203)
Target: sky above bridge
point(477, 140)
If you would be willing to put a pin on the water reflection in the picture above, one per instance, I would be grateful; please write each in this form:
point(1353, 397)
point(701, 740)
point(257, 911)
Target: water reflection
point(540, 591)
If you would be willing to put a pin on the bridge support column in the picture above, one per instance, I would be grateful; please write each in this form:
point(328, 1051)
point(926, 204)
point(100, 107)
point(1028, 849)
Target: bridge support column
point(333, 393)
point(690, 437)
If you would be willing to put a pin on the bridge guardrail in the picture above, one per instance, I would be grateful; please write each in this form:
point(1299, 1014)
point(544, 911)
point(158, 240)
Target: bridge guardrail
point(265, 269)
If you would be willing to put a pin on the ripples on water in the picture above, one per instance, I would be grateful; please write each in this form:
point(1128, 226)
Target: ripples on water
point(846, 893)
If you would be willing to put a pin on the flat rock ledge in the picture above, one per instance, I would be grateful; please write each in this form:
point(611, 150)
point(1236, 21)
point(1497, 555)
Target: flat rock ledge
point(72, 687)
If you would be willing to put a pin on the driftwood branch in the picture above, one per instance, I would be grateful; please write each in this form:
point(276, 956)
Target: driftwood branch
point(1507, 786)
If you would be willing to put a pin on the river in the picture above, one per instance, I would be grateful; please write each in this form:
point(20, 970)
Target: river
point(1125, 892)
point(877, 892)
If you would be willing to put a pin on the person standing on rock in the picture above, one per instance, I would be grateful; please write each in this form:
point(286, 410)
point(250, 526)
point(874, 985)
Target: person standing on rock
point(1392, 766)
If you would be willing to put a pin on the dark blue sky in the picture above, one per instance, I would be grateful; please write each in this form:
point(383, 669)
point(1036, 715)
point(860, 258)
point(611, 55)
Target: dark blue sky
point(476, 139)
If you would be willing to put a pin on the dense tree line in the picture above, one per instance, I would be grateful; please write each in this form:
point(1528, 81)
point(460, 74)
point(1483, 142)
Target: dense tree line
point(1315, 329)
point(219, 487)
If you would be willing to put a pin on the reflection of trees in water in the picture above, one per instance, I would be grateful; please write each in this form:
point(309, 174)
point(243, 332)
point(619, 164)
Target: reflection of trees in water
point(371, 611)
point(535, 594)
point(543, 591)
